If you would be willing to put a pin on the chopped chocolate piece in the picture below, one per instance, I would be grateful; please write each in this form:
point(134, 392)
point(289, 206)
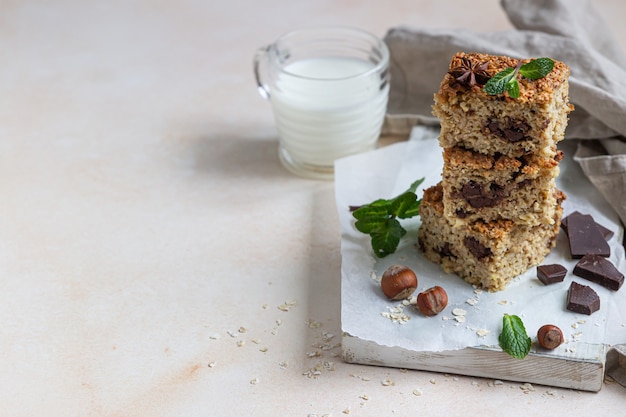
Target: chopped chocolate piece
point(510, 130)
point(582, 299)
point(607, 233)
point(599, 270)
point(446, 251)
point(476, 248)
point(585, 237)
point(551, 274)
point(477, 197)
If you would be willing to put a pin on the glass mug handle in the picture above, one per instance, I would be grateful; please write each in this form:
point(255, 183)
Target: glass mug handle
point(260, 59)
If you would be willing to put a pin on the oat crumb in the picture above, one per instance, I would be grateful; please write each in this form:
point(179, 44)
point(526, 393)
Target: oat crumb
point(417, 392)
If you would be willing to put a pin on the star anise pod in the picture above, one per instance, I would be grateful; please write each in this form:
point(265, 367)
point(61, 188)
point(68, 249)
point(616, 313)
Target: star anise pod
point(470, 73)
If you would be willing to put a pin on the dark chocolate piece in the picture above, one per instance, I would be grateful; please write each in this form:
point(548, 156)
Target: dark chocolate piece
point(599, 270)
point(582, 299)
point(607, 233)
point(511, 130)
point(551, 274)
point(584, 237)
point(478, 196)
point(476, 248)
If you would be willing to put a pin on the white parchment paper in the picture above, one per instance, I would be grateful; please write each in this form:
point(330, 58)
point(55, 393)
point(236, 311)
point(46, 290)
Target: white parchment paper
point(367, 314)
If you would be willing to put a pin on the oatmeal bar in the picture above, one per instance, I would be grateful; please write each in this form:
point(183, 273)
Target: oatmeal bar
point(486, 254)
point(485, 187)
point(532, 123)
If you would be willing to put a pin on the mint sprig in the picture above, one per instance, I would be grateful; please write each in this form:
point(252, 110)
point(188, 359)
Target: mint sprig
point(506, 80)
point(513, 339)
point(379, 219)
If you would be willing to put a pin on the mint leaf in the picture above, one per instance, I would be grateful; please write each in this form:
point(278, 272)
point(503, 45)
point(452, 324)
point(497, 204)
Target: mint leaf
point(369, 225)
point(378, 208)
point(385, 240)
point(415, 184)
point(512, 87)
point(506, 80)
point(513, 339)
point(537, 68)
point(402, 204)
point(379, 219)
point(497, 84)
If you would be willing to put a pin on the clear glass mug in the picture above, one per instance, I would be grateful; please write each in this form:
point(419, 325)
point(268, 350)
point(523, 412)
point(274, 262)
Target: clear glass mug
point(328, 87)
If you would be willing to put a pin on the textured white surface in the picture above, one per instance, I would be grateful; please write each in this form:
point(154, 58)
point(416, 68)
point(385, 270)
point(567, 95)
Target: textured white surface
point(144, 215)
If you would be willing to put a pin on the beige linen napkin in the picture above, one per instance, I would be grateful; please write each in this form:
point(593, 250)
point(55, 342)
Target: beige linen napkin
point(571, 31)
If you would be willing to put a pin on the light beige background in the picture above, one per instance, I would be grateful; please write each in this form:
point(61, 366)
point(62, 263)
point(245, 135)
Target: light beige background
point(147, 228)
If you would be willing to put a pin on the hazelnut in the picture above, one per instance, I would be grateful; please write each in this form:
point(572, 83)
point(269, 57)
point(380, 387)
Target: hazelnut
point(398, 282)
point(432, 301)
point(549, 336)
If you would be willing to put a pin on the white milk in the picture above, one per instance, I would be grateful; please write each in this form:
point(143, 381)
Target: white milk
point(327, 108)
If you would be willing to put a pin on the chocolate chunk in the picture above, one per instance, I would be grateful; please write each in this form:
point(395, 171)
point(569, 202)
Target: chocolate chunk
point(607, 233)
point(551, 274)
point(585, 237)
point(446, 251)
point(510, 130)
point(476, 248)
point(599, 270)
point(582, 299)
point(478, 197)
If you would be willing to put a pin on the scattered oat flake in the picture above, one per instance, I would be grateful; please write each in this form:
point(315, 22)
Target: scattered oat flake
point(240, 343)
point(256, 341)
point(498, 382)
point(283, 364)
point(231, 334)
point(279, 322)
point(346, 411)
point(265, 306)
point(215, 336)
point(364, 397)
point(503, 302)
point(459, 312)
point(287, 305)
point(417, 392)
point(460, 319)
point(254, 381)
point(433, 381)
point(527, 388)
point(482, 332)
point(264, 349)
point(313, 324)
point(386, 382)
point(471, 301)
point(242, 330)
point(212, 364)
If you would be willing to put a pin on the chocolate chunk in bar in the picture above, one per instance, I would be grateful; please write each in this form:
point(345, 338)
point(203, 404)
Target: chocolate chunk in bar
point(551, 274)
point(476, 248)
point(607, 233)
point(582, 299)
point(585, 237)
point(599, 270)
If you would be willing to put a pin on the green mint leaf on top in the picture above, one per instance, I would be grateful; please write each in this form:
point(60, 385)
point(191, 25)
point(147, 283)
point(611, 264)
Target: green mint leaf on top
point(379, 219)
point(513, 339)
point(506, 80)
point(497, 84)
point(537, 68)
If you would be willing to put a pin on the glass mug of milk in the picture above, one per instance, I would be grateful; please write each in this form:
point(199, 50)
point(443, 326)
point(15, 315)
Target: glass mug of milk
point(328, 88)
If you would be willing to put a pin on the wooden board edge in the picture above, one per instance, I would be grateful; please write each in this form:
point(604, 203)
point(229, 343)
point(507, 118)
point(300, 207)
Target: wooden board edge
point(537, 368)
